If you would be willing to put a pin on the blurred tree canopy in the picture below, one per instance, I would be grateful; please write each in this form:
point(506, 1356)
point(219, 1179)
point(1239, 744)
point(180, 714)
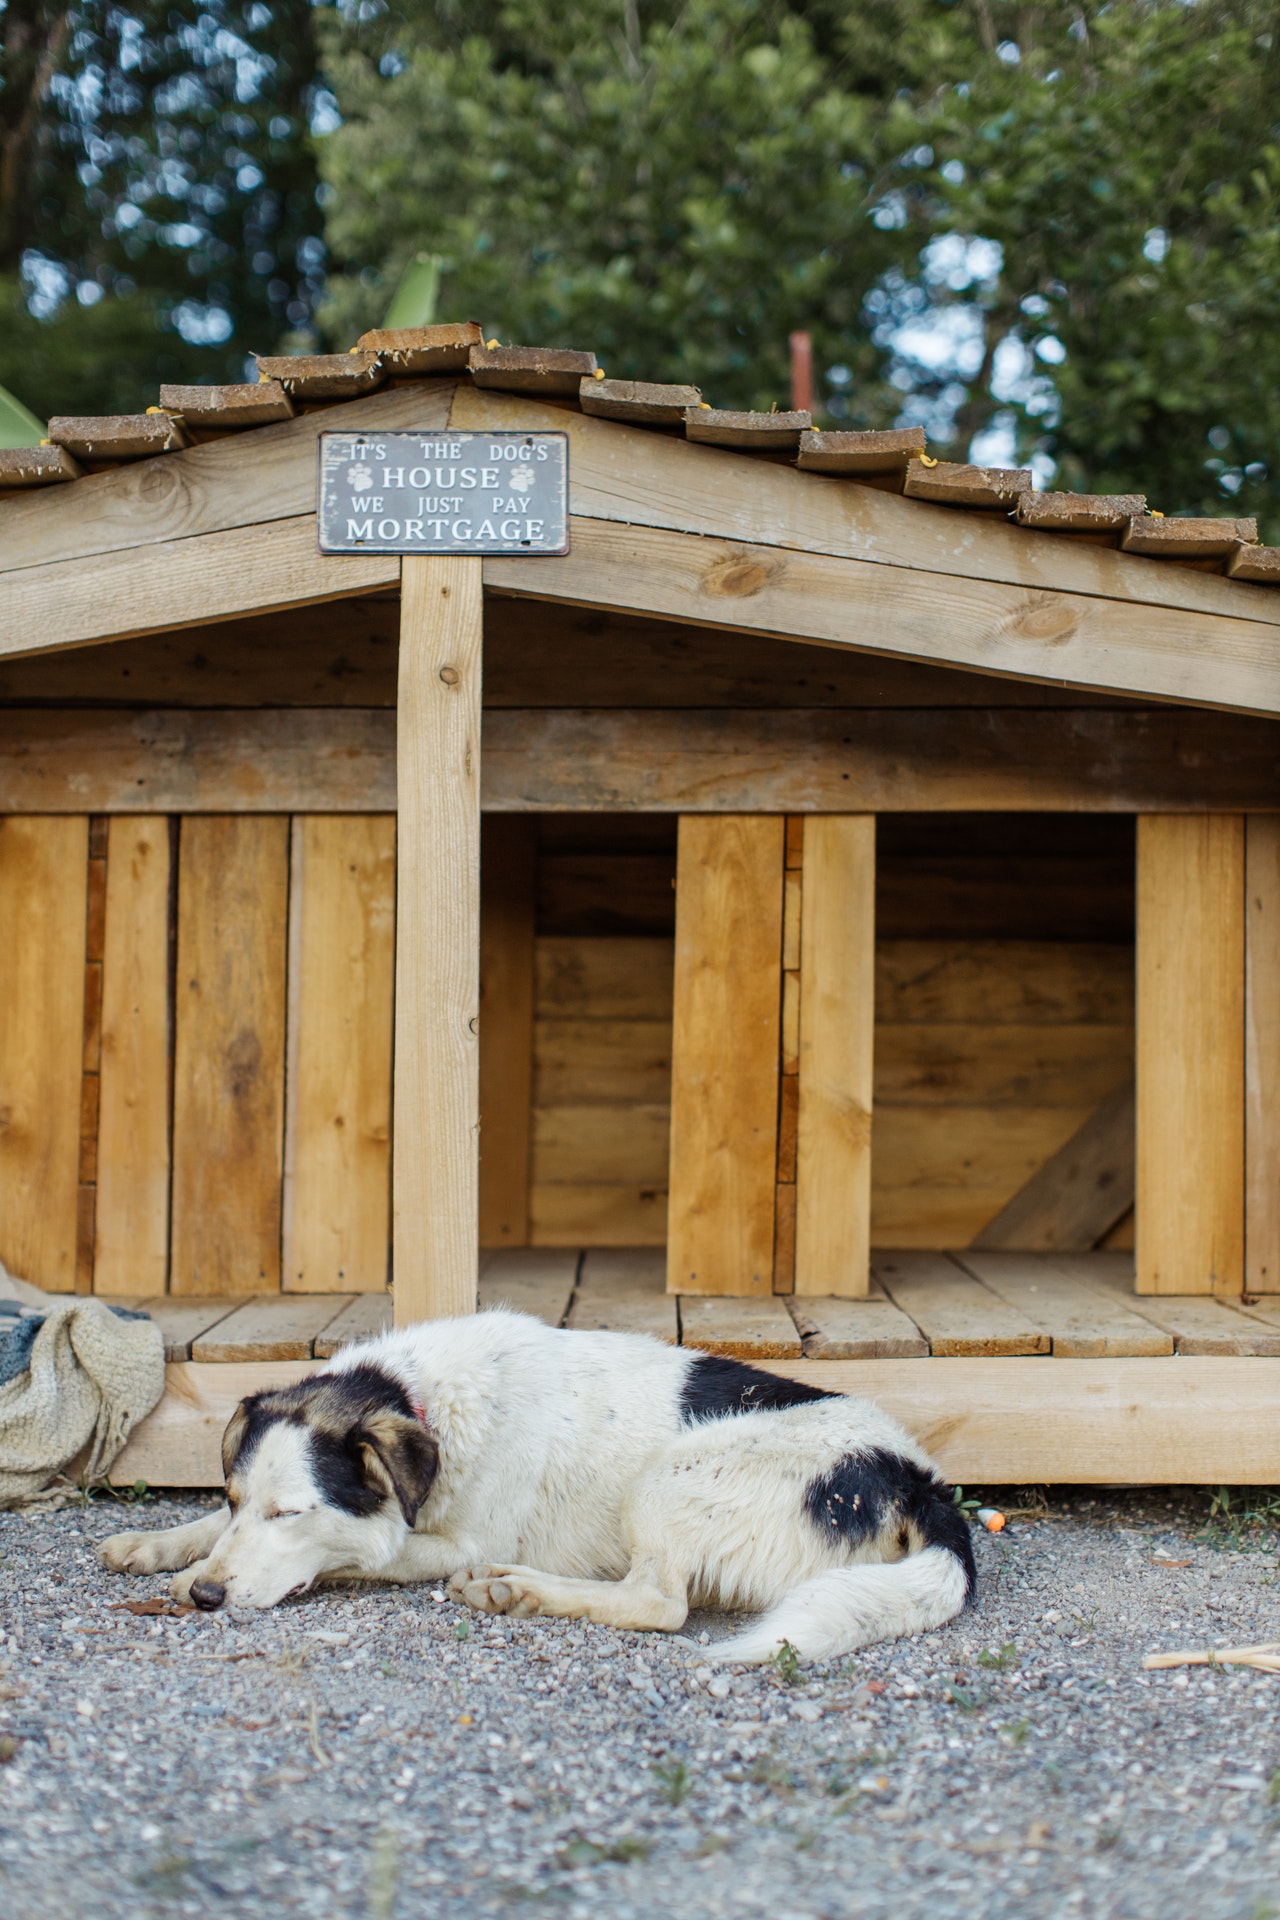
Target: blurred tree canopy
point(1048, 229)
point(158, 214)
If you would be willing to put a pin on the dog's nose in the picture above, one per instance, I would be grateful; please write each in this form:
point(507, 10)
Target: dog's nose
point(208, 1594)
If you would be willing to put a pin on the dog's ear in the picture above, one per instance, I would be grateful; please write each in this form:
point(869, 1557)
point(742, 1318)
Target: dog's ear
point(233, 1438)
point(399, 1457)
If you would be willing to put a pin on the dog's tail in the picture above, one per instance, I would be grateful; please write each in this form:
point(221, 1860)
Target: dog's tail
point(834, 1613)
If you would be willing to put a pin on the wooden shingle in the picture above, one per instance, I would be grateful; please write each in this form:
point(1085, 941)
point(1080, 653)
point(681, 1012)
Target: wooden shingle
point(748, 432)
point(416, 353)
point(642, 402)
point(1080, 512)
point(860, 453)
point(544, 370)
point(1187, 539)
point(117, 436)
point(955, 484)
point(323, 376)
point(36, 466)
point(257, 403)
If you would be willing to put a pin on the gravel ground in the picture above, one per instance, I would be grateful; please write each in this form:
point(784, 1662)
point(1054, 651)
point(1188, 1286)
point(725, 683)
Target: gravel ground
point(382, 1753)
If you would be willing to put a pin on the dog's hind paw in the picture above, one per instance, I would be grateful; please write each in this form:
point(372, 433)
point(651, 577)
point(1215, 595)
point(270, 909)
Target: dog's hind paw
point(511, 1590)
point(133, 1553)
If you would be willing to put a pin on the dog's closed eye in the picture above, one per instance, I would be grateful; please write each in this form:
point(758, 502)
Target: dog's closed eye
point(283, 1513)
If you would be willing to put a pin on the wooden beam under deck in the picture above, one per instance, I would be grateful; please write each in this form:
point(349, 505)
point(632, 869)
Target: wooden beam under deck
point(1017, 1421)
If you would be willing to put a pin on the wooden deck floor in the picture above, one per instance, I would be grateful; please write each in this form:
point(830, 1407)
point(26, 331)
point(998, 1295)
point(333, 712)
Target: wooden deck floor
point(1010, 1368)
point(964, 1305)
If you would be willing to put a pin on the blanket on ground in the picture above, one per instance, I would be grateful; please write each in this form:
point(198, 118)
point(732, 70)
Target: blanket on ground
point(75, 1374)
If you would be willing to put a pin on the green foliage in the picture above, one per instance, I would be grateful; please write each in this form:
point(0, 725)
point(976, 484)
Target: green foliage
point(1127, 165)
point(677, 191)
point(675, 1782)
point(158, 213)
point(1000, 1662)
point(1056, 219)
point(786, 1664)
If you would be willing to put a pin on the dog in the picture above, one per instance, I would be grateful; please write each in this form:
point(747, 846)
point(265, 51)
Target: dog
point(587, 1476)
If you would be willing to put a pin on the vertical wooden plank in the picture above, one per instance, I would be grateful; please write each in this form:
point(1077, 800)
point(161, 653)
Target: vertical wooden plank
point(132, 1241)
point(1190, 1054)
point(1262, 1054)
point(724, 1063)
point(837, 1022)
point(507, 871)
point(437, 1063)
point(228, 1093)
point(43, 882)
point(337, 1160)
point(95, 917)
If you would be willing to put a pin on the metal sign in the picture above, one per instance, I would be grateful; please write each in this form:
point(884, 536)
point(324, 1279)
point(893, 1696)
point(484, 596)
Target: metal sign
point(444, 493)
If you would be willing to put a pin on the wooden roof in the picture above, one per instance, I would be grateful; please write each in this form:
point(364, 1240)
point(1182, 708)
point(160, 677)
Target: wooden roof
point(204, 509)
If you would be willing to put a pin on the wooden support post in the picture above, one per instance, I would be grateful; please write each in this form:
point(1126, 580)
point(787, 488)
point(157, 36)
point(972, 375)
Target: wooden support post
point(507, 869)
point(1262, 1054)
point(837, 1023)
point(724, 1055)
point(1190, 1054)
point(437, 1055)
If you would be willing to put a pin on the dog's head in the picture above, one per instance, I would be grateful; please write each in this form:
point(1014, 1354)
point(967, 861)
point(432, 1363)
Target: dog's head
point(322, 1477)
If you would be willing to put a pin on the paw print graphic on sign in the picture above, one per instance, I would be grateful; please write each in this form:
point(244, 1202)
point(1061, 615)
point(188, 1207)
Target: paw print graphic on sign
point(359, 478)
point(522, 479)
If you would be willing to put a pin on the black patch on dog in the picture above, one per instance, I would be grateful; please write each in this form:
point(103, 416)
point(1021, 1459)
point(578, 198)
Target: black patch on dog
point(867, 1491)
point(366, 1441)
point(715, 1386)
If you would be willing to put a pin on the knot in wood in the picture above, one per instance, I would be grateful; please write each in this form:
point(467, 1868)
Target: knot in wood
point(450, 676)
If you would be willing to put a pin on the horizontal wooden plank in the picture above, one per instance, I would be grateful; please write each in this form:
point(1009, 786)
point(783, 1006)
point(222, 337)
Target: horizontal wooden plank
point(649, 480)
point(759, 1329)
point(197, 761)
point(533, 1280)
point(181, 1319)
point(1198, 1324)
point(624, 1290)
point(608, 1061)
point(575, 1214)
point(610, 1144)
point(609, 978)
point(241, 481)
point(953, 1064)
point(709, 761)
point(1082, 1323)
point(178, 583)
point(1014, 1422)
point(1141, 1422)
point(870, 1329)
point(954, 1312)
point(271, 1327)
point(368, 1315)
point(1100, 643)
point(1005, 982)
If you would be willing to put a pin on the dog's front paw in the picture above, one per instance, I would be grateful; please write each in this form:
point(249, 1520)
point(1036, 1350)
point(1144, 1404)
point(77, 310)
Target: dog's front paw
point(133, 1553)
point(509, 1590)
point(180, 1585)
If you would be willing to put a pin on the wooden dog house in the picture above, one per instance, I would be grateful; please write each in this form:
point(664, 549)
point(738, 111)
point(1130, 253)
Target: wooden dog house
point(830, 853)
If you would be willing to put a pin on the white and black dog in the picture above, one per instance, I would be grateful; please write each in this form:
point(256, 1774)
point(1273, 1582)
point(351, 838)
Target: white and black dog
point(596, 1476)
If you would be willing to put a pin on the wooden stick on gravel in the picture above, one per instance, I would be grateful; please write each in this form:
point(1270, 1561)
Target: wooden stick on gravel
point(1265, 1658)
